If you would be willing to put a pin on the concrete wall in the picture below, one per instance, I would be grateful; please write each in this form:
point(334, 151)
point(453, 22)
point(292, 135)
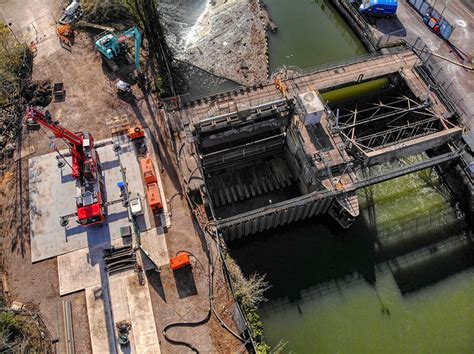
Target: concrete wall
point(284, 213)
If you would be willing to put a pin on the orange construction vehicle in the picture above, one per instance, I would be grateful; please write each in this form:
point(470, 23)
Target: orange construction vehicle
point(151, 184)
point(180, 261)
point(65, 34)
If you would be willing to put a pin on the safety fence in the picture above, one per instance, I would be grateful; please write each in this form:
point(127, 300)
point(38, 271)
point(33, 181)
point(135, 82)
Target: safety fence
point(441, 81)
point(435, 18)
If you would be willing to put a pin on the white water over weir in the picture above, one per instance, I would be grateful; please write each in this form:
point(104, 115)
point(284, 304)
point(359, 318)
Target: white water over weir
point(183, 20)
point(194, 34)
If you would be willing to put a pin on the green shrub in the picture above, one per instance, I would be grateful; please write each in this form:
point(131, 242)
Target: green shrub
point(249, 293)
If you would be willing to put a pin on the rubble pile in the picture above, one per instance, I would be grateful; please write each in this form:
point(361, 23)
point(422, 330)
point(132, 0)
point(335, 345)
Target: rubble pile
point(39, 93)
point(231, 42)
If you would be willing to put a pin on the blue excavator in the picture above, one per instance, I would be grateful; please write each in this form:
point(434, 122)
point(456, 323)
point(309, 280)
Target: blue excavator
point(113, 46)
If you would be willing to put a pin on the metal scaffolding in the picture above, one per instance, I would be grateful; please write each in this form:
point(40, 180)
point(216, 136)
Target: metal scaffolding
point(390, 120)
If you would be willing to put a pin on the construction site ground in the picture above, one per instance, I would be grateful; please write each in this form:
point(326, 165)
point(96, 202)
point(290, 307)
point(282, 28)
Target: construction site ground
point(89, 103)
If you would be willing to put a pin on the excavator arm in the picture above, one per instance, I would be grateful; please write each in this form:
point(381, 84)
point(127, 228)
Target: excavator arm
point(137, 36)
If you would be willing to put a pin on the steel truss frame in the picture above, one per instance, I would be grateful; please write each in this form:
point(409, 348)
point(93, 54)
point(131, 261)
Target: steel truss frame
point(391, 121)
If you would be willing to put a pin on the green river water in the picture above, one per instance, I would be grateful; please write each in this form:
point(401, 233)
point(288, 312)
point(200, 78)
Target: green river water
point(399, 280)
point(310, 33)
point(330, 286)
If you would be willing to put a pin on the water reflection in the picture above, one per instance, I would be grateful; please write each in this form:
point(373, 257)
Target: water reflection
point(334, 290)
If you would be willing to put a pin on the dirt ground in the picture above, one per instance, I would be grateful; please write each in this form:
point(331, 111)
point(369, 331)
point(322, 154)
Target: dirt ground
point(182, 295)
point(90, 100)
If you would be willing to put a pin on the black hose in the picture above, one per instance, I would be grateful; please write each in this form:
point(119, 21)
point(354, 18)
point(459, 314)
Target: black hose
point(198, 323)
point(211, 309)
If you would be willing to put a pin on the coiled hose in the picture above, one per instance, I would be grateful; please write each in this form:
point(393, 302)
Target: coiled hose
point(211, 309)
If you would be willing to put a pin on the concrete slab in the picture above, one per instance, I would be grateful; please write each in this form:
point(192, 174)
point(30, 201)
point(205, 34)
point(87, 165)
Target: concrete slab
point(120, 306)
point(77, 272)
point(99, 321)
point(153, 242)
point(82, 268)
point(131, 302)
point(52, 194)
point(143, 323)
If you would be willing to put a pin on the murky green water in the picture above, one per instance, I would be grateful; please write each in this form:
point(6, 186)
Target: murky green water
point(326, 280)
point(310, 33)
point(400, 280)
point(349, 319)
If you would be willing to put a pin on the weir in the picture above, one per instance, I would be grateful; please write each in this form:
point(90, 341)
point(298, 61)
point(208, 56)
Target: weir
point(260, 157)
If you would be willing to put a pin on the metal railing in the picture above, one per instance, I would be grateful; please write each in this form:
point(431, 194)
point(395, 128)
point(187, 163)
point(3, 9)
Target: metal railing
point(328, 66)
point(441, 82)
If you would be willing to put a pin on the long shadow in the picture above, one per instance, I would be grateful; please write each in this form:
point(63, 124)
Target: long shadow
point(310, 253)
point(389, 26)
point(158, 142)
point(108, 165)
point(97, 258)
point(185, 283)
point(154, 280)
point(424, 269)
point(19, 220)
point(66, 178)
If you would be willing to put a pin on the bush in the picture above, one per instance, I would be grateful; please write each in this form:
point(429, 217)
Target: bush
point(250, 293)
point(104, 10)
point(10, 329)
point(11, 60)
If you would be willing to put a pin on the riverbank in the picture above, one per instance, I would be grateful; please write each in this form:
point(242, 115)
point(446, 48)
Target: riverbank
point(229, 40)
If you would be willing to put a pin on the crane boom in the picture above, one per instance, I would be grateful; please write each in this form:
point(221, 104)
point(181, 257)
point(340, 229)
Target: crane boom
point(36, 116)
point(90, 203)
point(81, 145)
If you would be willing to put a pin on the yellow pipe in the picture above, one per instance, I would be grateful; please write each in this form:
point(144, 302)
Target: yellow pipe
point(355, 91)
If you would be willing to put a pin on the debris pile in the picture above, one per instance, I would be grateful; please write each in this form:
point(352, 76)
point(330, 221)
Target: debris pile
point(39, 93)
point(227, 40)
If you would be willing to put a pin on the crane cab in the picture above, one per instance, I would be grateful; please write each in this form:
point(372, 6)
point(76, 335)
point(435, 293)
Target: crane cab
point(90, 210)
point(90, 205)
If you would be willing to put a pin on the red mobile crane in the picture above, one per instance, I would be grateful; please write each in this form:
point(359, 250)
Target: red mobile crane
point(90, 206)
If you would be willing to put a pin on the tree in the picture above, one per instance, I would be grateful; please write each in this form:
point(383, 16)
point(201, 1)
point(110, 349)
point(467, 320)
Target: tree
point(12, 55)
point(145, 14)
point(104, 9)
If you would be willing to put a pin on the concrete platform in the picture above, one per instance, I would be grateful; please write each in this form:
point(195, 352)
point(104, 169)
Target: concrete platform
point(131, 302)
point(82, 268)
point(154, 245)
point(116, 298)
point(99, 320)
point(52, 192)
